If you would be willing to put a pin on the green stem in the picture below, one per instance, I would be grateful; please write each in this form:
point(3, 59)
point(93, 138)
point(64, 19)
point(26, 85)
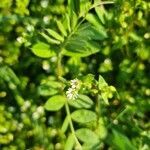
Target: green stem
point(59, 75)
point(59, 66)
point(98, 106)
point(101, 3)
point(71, 126)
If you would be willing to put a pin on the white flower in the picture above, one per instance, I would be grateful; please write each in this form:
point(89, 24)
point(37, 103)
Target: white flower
point(35, 116)
point(75, 83)
point(25, 106)
point(40, 110)
point(72, 92)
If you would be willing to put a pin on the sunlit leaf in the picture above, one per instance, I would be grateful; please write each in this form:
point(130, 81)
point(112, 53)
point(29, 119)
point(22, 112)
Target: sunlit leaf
point(42, 50)
point(83, 116)
point(87, 136)
point(101, 129)
point(70, 142)
point(88, 80)
point(74, 20)
point(91, 18)
point(55, 103)
point(49, 39)
point(61, 28)
point(67, 23)
point(100, 13)
point(74, 6)
point(82, 101)
point(101, 82)
point(55, 35)
point(65, 125)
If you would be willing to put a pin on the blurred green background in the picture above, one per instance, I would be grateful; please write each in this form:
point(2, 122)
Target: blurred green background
point(27, 81)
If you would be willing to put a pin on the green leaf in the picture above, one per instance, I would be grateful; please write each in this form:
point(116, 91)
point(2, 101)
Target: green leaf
point(74, 20)
point(69, 143)
point(104, 96)
point(65, 125)
point(82, 42)
point(49, 88)
point(100, 11)
point(50, 40)
point(82, 101)
point(121, 142)
point(84, 7)
point(46, 90)
point(74, 6)
point(7, 72)
point(83, 116)
point(55, 35)
point(91, 146)
point(55, 103)
point(89, 32)
point(88, 80)
point(61, 28)
point(93, 19)
point(80, 51)
point(87, 136)
point(67, 22)
point(42, 50)
point(101, 129)
point(101, 82)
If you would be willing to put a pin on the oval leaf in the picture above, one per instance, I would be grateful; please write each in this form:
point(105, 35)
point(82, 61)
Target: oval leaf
point(65, 125)
point(69, 143)
point(84, 134)
point(55, 35)
point(91, 146)
point(46, 90)
point(42, 50)
point(55, 103)
point(82, 101)
point(61, 28)
point(83, 116)
point(49, 39)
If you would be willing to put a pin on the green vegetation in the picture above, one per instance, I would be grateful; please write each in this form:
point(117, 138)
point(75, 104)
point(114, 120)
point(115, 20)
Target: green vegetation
point(74, 75)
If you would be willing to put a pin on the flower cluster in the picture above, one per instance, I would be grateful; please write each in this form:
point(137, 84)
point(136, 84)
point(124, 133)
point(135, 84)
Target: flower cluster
point(72, 92)
point(39, 112)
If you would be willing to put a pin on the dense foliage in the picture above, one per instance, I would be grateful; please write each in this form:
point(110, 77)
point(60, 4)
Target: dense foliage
point(74, 74)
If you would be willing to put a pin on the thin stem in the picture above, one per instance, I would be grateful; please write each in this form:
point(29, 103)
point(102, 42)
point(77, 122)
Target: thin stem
point(98, 106)
point(101, 3)
point(59, 66)
point(119, 115)
point(93, 6)
point(71, 126)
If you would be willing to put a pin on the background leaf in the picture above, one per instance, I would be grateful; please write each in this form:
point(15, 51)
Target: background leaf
point(121, 142)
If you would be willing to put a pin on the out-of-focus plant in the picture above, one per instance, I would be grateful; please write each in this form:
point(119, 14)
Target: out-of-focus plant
point(60, 101)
